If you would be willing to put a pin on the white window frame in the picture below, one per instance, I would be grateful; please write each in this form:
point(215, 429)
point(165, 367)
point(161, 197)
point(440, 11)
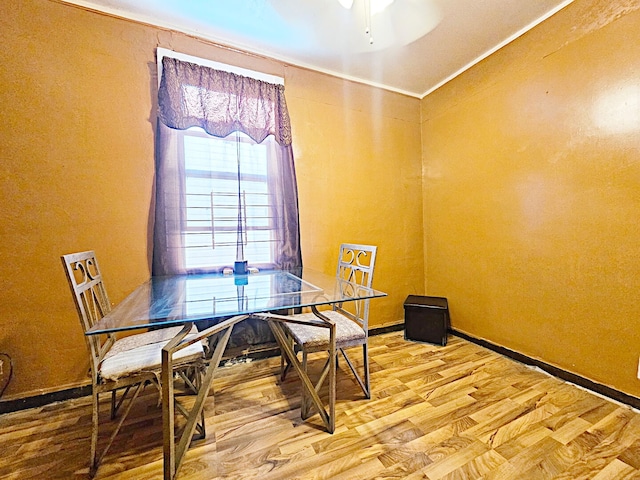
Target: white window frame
point(224, 201)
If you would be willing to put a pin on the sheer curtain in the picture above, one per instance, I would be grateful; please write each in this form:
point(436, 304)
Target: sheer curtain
point(192, 95)
point(220, 103)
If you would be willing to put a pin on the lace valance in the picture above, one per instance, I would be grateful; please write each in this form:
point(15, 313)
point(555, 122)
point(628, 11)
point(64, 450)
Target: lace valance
point(219, 102)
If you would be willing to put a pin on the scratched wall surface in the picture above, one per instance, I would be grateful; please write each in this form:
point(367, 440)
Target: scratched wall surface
point(532, 193)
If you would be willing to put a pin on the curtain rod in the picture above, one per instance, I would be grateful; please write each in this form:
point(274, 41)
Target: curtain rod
point(164, 52)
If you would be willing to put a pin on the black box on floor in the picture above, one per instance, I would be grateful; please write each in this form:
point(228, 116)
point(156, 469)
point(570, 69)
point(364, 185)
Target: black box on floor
point(426, 319)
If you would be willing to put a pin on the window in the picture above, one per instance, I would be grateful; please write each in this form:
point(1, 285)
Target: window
point(210, 223)
point(208, 119)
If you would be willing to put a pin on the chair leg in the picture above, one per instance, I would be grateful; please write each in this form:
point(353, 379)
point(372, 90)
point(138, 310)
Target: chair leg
point(132, 400)
point(364, 384)
point(282, 366)
point(94, 433)
point(365, 354)
point(199, 379)
point(95, 459)
point(115, 403)
point(114, 408)
point(285, 365)
point(304, 401)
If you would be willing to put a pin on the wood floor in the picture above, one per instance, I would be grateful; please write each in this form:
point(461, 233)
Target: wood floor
point(454, 412)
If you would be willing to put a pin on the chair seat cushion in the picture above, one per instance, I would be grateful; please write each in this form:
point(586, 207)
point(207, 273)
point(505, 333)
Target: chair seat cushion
point(348, 332)
point(145, 338)
point(143, 354)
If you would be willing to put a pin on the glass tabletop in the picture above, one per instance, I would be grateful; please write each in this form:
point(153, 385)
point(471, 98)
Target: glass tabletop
point(173, 300)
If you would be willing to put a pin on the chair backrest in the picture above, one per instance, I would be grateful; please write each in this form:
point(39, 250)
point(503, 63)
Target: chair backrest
point(355, 264)
point(91, 300)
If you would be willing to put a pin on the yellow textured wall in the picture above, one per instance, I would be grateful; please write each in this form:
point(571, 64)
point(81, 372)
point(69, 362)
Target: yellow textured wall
point(532, 194)
point(77, 147)
point(358, 165)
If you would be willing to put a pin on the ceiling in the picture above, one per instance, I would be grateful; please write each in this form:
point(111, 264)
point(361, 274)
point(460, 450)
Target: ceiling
point(414, 46)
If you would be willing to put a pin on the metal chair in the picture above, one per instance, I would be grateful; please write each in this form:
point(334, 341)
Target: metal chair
point(121, 364)
point(355, 265)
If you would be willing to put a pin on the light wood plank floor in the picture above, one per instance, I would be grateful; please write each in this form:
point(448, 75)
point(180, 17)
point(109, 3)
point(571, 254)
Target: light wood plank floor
point(454, 412)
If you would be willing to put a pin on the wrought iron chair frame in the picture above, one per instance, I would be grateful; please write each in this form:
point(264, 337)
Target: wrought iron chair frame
point(92, 303)
point(352, 270)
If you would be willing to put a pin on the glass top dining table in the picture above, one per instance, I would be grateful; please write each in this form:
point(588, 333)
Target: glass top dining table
point(186, 299)
point(165, 301)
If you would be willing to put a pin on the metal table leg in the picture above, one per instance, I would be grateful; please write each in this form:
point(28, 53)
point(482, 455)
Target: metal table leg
point(310, 391)
point(174, 455)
